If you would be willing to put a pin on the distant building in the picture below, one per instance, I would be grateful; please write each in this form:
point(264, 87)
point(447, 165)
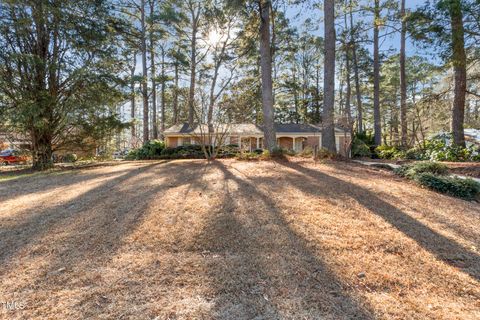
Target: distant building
point(248, 136)
point(14, 141)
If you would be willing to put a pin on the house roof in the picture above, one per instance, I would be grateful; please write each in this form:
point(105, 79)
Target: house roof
point(247, 128)
point(296, 127)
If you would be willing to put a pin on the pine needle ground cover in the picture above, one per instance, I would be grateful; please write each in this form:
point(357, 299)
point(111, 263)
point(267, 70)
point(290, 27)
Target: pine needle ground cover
point(236, 240)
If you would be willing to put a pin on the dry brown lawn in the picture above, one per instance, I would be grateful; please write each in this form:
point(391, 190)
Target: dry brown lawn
point(236, 240)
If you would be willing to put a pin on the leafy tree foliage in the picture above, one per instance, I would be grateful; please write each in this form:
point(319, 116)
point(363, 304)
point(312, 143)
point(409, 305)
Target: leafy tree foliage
point(58, 72)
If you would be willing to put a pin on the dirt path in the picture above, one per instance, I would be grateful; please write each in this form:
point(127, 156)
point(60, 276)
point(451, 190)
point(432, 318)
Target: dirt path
point(236, 240)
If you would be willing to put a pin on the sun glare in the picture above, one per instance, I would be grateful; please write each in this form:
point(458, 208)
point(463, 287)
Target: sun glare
point(214, 37)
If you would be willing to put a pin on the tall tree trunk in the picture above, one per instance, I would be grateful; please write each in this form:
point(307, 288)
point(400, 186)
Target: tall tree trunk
point(328, 130)
point(341, 101)
point(191, 93)
point(41, 135)
point(162, 107)
point(295, 92)
point(348, 91)
point(132, 96)
point(153, 72)
point(403, 79)
point(266, 70)
point(212, 99)
point(146, 135)
point(476, 112)
point(175, 95)
point(318, 118)
point(376, 77)
point(193, 62)
point(358, 92)
point(42, 150)
point(460, 70)
point(395, 125)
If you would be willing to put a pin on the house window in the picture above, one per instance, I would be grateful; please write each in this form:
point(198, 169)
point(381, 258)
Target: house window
point(187, 141)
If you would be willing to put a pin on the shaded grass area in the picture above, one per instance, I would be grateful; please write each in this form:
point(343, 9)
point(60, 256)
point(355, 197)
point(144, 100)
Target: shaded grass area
point(19, 172)
point(236, 240)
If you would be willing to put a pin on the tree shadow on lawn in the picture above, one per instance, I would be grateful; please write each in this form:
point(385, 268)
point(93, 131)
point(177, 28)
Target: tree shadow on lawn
point(443, 248)
point(364, 172)
point(97, 224)
point(45, 181)
point(38, 223)
point(265, 270)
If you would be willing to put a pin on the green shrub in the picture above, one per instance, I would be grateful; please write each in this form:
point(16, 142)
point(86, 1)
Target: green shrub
point(434, 149)
point(384, 166)
point(386, 152)
point(414, 154)
point(278, 152)
point(412, 170)
point(265, 155)
point(228, 151)
point(462, 188)
point(402, 170)
point(360, 148)
point(131, 155)
point(437, 149)
point(367, 138)
point(248, 156)
point(475, 157)
point(187, 152)
point(325, 154)
point(450, 153)
point(156, 150)
point(168, 151)
point(196, 152)
point(307, 152)
point(433, 175)
point(429, 167)
point(150, 150)
point(70, 158)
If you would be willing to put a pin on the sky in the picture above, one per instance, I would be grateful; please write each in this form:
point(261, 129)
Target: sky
point(299, 13)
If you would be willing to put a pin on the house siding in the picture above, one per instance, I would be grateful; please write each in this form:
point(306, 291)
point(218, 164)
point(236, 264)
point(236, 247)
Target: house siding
point(172, 142)
point(285, 143)
point(285, 139)
point(343, 143)
point(312, 141)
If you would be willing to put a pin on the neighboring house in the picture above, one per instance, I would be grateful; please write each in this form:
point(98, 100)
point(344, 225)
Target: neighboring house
point(13, 141)
point(247, 136)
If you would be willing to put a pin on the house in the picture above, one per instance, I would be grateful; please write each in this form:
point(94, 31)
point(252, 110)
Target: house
point(248, 136)
point(9, 140)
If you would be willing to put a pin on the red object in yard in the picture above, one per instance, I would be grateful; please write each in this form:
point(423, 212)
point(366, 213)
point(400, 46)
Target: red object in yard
point(10, 156)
